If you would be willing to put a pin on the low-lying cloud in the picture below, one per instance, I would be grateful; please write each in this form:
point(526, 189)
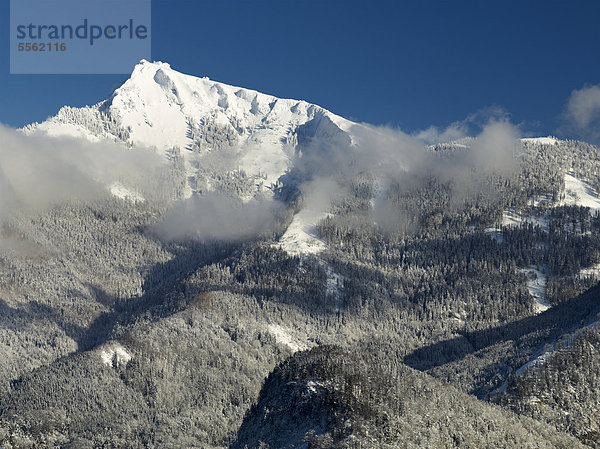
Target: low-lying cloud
point(472, 125)
point(38, 171)
point(215, 216)
point(583, 112)
point(391, 156)
point(496, 147)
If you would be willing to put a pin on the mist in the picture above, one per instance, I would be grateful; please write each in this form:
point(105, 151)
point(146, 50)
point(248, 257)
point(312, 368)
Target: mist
point(391, 156)
point(216, 216)
point(38, 171)
point(496, 148)
point(582, 113)
point(470, 126)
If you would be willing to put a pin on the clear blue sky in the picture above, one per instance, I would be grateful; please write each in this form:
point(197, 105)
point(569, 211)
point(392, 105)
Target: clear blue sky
point(406, 64)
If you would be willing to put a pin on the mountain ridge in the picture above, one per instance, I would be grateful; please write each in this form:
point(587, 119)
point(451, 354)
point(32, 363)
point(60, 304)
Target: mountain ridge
point(158, 107)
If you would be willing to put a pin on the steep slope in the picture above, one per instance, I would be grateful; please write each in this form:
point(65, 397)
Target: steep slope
point(63, 272)
point(228, 139)
point(480, 362)
point(182, 381)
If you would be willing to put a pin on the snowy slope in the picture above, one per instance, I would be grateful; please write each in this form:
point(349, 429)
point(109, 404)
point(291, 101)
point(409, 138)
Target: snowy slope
point(381, 188)
point(220, 130)
point(301, 236)
point(121, 191)
point(580, 193)
point(541, 140)
point(284, 337)
point(577, 192)
point(536, 284)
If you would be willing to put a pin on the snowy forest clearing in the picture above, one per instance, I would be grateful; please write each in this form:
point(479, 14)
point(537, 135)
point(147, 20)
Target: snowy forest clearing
point(536, 284)
point(283, 337)
point(301, 236)
point(580, 193)
point(577, 192)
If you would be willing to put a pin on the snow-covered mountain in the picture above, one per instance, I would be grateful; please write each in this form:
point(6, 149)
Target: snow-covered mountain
point(158, 107)
point(218, 131)
point(223, 132)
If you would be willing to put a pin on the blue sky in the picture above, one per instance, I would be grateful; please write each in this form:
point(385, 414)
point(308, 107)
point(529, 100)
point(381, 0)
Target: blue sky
point(403, 64)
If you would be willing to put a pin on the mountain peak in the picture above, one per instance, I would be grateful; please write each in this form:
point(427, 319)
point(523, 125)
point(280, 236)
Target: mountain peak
point(161, 108)
point(145, 68)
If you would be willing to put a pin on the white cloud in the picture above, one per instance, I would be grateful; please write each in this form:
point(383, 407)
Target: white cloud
point(471, 125)
point(496, 147)
point(217, 217)
point(583, 107)
point(38, 171)
point(434, 134)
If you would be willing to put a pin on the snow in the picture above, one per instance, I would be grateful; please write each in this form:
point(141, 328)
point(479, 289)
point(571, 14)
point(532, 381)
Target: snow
point(301, 239)
point(54, 129)
point(512, 218)
point(159, 104)
point(265, 155)
point(593, 271)
point(282, 336)
point(533, 362)
point(115, 351)
point(580, 193)
point(550, 349)
point(541, 140)
point(148, 104)
point(495, 234)
point(577, 192)
point(380, 191)
point(536, 284)
point(313, 386)
point(542, 355)
point(120, 191)
point(334, 283)
point(161, 107)
point(543, 199)
point(301, 236)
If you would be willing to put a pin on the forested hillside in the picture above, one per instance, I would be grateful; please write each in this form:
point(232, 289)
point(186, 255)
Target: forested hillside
point(430, 299)
point(330, 398)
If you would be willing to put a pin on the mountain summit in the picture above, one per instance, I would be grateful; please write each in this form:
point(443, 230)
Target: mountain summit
point(158, 107)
